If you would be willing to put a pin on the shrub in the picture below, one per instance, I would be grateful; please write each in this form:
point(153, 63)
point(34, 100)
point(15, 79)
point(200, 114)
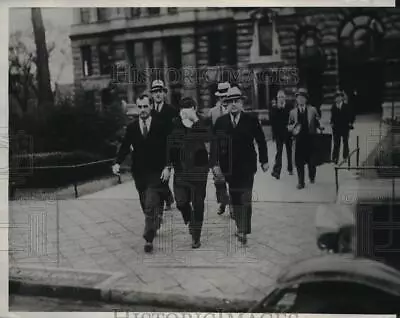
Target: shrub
point(388, 155)
point(30, 175)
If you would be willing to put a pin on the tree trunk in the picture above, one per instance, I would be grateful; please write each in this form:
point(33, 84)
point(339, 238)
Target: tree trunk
point(45, 96)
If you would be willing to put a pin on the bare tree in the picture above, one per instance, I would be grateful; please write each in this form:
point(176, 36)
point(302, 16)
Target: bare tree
point(46, 98)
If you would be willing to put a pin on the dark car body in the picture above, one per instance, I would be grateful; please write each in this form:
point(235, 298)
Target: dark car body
point(334, 284)
point(363, 221)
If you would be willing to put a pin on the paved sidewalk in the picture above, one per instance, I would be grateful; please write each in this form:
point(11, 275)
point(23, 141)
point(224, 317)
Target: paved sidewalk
point(100, 242)
point(96, 242)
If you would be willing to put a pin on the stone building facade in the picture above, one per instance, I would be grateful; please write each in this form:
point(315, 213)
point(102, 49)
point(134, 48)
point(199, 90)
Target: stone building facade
point(261, 49)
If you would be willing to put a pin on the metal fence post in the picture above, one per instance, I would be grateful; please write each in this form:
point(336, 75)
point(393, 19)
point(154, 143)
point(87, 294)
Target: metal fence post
point(337, 179)
point(75, 182)
point(358, 151)
point(348, 162)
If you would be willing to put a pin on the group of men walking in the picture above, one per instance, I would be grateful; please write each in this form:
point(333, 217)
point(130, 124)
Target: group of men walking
point(191, 144)
point(297, 125)
point(159, 144)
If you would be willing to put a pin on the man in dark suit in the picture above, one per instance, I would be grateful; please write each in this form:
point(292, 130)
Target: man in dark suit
point(217, 111)
point(279, 121)
point(342, 120)
point(189, 157)
point(303, 124)
point(234, 157)
point(147, 138)
point(167, 113)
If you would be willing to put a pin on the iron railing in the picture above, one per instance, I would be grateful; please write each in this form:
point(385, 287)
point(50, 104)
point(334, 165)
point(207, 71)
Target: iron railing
point(72, 167)
point(348, 160)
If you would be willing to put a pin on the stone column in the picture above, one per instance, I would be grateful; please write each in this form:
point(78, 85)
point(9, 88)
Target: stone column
point(93, 15)
point(189, 69)
point(76, 15)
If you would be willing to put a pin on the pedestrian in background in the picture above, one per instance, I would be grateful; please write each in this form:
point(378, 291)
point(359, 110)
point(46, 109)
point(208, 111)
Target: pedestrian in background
point(279, 122)
point(342, 121)
point(167, 113)
point(303, 124)
point(217, 111)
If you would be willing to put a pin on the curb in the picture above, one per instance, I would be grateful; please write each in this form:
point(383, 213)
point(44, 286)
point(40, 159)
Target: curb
point(183, 302)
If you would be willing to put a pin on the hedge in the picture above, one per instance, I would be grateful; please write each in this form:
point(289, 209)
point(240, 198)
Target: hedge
point(388, 155)
point(30, 175)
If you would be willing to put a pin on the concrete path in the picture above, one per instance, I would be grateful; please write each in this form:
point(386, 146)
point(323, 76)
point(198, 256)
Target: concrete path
point(95, 242)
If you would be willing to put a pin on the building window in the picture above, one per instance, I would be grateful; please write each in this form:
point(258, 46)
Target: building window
point(153, 11)
point(230, 47)
point(85, 15)
point(214, 48)
point(102, 14)
point(87, 68)
point(172, 10)
point(104, 59)
point(265, 37)
point(135, 12)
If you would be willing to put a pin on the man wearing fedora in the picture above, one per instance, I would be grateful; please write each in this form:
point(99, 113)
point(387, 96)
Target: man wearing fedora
point(188, 155)
point(342, 120)
point(217, 111)
point(167, 113)
point(235, 158)
point(303, 124)
point(279, 122)
point(147, 139)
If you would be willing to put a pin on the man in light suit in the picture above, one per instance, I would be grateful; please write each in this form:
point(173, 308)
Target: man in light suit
point(303, 124)
point(217, 111)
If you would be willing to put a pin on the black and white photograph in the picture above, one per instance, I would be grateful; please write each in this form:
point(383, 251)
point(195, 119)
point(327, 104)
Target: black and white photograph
point(204, 159)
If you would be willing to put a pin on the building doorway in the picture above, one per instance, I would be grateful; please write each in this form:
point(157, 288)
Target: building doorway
point(361, 66)
point(311, 64)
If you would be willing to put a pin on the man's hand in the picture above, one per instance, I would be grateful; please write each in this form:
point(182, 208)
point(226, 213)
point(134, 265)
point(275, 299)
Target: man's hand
point(351, 127)
point(265, 167)
point(115, 169)
point(166, 173)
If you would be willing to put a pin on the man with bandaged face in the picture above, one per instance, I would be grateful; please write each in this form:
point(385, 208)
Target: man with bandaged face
point(188, 155)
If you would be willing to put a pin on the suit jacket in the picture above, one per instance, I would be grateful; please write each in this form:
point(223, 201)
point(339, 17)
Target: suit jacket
point(167, 112)
point(279, 119)
point(341, 119)
point(233, 148)
point(215, 113)
point(149, 154)
point(187, 150)
point(312, 116)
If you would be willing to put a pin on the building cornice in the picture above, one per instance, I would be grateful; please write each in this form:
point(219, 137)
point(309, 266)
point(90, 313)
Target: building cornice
point(123, 25)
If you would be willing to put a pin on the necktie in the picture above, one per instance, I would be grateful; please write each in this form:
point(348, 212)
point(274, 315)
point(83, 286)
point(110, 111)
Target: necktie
point(234, 122)
point(221, 111)
point(145, 130)
point(158, 107)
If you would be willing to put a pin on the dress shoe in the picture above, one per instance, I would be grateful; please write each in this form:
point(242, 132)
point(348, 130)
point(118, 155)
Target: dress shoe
point(148, 247)
point(290, 173)
point(300, 186)
point(312, 181)
point(168, 207)
point(242, 238)
point(196, 244)
point(275, 175)
point(221, 209)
